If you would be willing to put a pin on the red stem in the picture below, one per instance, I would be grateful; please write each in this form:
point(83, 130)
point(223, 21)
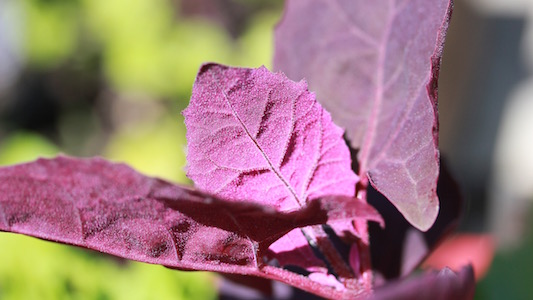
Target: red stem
point(363, 244)
point(325, 246)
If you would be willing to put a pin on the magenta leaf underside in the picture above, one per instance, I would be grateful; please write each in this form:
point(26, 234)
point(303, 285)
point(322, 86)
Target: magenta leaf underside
point(257, 135)
point(398, 249)
point(374, 66)
point(111, 208)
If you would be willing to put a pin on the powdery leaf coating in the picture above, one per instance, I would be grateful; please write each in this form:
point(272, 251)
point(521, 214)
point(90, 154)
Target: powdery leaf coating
point(113, 209)
point(257, 135)
point(374, 66)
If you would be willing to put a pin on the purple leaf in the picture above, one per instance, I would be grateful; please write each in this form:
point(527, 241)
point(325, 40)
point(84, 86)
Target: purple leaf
point(111, 208)
point(256, 135)
point(374, 65)
point(398, 249)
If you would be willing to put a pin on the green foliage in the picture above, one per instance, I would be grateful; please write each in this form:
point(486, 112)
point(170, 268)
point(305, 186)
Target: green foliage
point(153, 148)
point(35, 269)
point(257, 42)
point(50, 31)
point(23, 147)
point(148, 48)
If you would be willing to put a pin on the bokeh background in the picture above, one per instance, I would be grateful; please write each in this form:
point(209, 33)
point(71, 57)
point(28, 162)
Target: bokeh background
point(110, 77)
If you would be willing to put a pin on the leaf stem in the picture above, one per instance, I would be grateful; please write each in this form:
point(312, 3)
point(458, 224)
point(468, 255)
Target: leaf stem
point(363, 244)
point(331, 254)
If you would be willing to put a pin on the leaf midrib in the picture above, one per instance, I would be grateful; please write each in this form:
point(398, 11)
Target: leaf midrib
point(265, 156)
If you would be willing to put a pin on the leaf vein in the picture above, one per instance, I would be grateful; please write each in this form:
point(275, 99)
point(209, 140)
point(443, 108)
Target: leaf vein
point(355, 30)
point(247, 131)
point(174, 243)
point(318, 154)
point(372, 123)
point(324, 184)
point(403, 118)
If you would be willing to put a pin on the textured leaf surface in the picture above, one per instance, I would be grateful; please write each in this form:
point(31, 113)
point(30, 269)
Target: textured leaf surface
point(374, 66)
point(256, 135)
point(111, 208)
point(398, 249)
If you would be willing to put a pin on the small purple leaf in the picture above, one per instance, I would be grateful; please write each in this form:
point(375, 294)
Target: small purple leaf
point(257, 135)
point(111, 208)
point(374, 65)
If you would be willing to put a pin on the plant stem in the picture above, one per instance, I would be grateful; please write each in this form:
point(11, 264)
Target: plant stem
point(363, 244)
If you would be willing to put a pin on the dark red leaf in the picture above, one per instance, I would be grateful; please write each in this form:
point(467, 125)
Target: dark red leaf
point(374, 66)
point(111, 208)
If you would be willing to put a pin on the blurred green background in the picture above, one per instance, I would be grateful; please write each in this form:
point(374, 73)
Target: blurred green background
point(109, 78)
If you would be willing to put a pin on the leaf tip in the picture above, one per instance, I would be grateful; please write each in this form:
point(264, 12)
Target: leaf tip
point(424, 217)
point(206, 67)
